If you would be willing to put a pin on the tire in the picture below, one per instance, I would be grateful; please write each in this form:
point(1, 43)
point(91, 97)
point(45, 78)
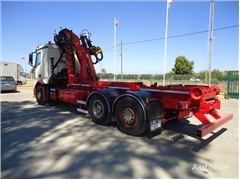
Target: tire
point(129, 116)
point(39, 96)
point(19, 83)
point(99, 110)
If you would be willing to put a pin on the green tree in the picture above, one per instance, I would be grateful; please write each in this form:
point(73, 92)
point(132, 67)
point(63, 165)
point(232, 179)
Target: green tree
point(225, 75)
point(201, 74)
point(107, 76)
point(183, 66)
point(158, 77)
point(145, 76)
point(130, 76)
point(216, 74)
point(118, 76)
point(169, 75)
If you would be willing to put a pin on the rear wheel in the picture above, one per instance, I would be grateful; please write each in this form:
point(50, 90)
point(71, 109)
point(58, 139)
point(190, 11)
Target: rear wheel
point(130, 117)
point(98, 109)
point(39, 96)
point(19, 83)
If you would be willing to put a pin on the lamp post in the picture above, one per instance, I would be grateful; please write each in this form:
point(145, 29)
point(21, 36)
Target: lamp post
point(115, 37)
point(210, 38)
point(25, 69)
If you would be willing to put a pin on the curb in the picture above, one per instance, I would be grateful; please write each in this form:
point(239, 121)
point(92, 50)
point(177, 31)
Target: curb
point(22, 87)
point(222, 95)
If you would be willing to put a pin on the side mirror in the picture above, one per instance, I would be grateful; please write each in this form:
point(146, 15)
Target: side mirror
point(30, 59)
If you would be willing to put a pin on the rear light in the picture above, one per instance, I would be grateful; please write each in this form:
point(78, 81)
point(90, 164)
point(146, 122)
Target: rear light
point(183, 105)
point(15, 83)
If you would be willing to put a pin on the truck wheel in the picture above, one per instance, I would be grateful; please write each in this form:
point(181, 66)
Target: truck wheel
point(129, 116)
point(98, 109)
point(39, 96)
point(19, 83)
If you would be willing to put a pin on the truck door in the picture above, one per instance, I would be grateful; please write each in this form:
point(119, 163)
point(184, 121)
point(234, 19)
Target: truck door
point(42, 64)
point(37, 65)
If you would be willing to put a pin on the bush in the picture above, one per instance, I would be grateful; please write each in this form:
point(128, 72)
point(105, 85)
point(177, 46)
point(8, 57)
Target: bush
point(215, 81)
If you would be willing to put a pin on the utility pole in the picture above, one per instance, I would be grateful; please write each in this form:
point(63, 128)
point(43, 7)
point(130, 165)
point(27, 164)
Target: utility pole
point(115, 34)
point(211, 39)
point(121, 63)
point(169, 2)
point(207, 59)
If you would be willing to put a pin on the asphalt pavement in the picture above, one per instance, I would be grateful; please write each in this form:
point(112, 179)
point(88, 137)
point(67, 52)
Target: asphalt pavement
point(59, 142)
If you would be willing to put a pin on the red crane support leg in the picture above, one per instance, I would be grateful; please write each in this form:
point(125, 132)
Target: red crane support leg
point(202, 117)
point(214, 114)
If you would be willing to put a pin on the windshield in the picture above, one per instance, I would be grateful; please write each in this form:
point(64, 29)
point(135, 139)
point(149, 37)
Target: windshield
point(38, 59)
point(23, 74)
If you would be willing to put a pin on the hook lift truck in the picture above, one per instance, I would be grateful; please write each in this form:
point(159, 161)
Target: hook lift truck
point(65, 72)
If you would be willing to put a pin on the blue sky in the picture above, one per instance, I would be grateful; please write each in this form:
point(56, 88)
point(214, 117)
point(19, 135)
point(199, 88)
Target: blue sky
point(27, 24)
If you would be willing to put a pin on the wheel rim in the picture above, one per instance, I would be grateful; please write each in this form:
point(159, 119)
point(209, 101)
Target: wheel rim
point(128, 116)
point(98, 108)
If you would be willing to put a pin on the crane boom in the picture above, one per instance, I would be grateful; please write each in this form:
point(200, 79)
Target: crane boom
point(70, 44)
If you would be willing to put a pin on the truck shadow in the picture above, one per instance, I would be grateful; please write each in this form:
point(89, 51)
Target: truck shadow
point(9, 92)
point(30, 133)
point(176, 130)
point(180, 129)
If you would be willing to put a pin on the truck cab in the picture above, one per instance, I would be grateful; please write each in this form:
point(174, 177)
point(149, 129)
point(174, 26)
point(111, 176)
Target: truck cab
point(21, 75)
point(41, 61)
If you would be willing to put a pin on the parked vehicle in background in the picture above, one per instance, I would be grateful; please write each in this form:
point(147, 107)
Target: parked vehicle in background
point(15, 70)
point(194, 79)
point(8, 83)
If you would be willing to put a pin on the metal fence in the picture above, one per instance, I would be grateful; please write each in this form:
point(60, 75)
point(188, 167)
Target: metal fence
point(222, 84)
point(233, 84)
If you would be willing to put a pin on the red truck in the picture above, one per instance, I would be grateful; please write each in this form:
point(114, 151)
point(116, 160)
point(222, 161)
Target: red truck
point(65, 72)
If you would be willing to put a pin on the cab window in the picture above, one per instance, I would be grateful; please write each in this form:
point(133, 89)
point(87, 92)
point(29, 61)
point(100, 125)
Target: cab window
point(38, 59)
point(23, 74)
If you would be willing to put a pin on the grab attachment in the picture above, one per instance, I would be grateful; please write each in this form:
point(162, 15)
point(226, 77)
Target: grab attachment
point(94, 50)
